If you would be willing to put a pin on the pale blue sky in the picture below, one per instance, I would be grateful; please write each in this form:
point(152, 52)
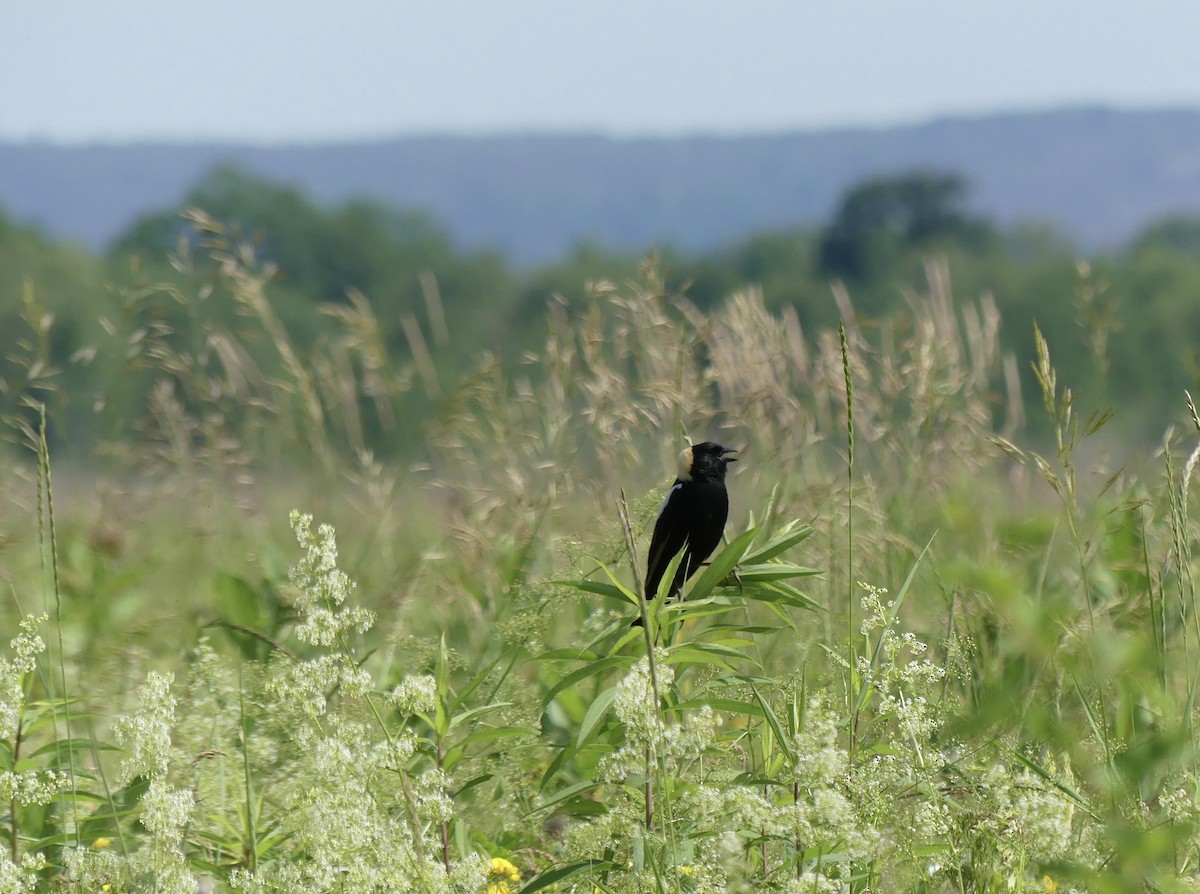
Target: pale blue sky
point(73, 70)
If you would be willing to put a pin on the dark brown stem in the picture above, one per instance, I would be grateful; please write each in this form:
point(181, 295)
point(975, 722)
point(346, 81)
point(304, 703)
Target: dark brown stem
point(649, 792)
point(795, 801)
point(441, 757)
point(12, 806)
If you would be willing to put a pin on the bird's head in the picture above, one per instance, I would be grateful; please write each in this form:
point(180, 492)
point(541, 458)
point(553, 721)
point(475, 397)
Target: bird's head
point(705, 461)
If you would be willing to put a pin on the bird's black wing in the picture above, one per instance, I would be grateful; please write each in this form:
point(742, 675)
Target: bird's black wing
point(708, 513)
point(670, 534)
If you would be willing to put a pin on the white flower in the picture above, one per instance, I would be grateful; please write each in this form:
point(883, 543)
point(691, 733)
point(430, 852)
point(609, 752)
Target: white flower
point(416, 694)
point(146, 734)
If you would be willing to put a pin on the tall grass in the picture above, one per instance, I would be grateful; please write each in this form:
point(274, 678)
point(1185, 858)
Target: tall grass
point(930, 656)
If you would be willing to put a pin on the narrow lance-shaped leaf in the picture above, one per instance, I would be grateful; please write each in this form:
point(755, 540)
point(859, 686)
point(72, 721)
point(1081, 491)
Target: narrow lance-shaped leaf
point(562, 873)
point(595, 713)
point(720, 566)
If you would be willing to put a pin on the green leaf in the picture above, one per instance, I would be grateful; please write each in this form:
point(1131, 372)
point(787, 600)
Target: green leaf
point(588, 670)
point(776, 726)
point(572, 654)
point(237, 601)
point(629, 594)
point(1054, 781)
point(664, 583)
point(471, 783)
point(729, 642)
point(707, 653)
point(773, 571)
point(441, 676)
point(488, 733)
point(599, 588)
point(568, 751)
point(785, 540)
point(561, 873)
point(728, 705)
point(781, 593)
point(746, 629)
point(65, 746)
point(699, 608)
point(566, 794)
point(595, 713)
point(473, 713)
point(720, 566)
point(629, 635)
point(484, 734)
point(478, 680)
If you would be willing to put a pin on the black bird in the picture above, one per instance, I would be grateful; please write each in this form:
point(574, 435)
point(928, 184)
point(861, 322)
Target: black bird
point(693, 514)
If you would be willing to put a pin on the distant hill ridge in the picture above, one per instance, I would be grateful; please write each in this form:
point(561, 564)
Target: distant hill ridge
point(1098, 174)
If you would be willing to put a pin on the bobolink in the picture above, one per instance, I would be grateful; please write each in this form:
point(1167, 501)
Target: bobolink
point(693, 514)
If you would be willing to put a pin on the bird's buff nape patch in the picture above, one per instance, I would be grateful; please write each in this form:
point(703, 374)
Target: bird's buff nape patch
point(684, 472)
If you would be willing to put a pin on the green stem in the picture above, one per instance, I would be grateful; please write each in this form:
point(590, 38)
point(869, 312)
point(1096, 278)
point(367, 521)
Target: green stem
point(845, 348)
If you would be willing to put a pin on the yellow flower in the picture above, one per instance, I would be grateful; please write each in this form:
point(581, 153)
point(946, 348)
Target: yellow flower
point(101, 843)
point(1049, 885)
point(686, 871)
point(500, 873)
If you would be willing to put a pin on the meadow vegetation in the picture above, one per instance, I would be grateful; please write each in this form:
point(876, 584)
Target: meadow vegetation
point(934, 655)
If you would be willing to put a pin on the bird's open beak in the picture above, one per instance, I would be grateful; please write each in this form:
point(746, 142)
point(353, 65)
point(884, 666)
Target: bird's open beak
point(725, 454)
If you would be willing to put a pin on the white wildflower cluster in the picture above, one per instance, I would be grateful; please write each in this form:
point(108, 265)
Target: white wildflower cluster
point(322, 588)
point(343, 810)
point(393, 755)
point(166, 811)
point(635, 704)
point(825, 814)
point(823, 761)
point(12, 697)
point(1178, 802)
point(208, 672)
point(903, 685)
point(1179, 806)
point(20, 878)
point(607, 833)
point(281, 876)
point(810, 882)
point(93, 869)
point(433, 799)
point(29, 788)
point(416, 694)
point(26, 646)
point(353, 818)
point(1023, 818)
point(860, 809)
point(754, 808)
point(467, 876)
point(146, 734)
point(305, 686)
point(217, 694)
point(671, 745)
point(875, 612)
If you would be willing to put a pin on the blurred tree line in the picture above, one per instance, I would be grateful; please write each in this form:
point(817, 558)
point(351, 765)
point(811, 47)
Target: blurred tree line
point(92, 336)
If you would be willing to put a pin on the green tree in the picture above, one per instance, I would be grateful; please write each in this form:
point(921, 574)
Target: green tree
point(879, 220)
point(1179, 233)
point(52, 298)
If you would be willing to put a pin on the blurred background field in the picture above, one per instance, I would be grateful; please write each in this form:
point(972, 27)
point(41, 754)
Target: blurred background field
point(950, 643)
point(1027, 695)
